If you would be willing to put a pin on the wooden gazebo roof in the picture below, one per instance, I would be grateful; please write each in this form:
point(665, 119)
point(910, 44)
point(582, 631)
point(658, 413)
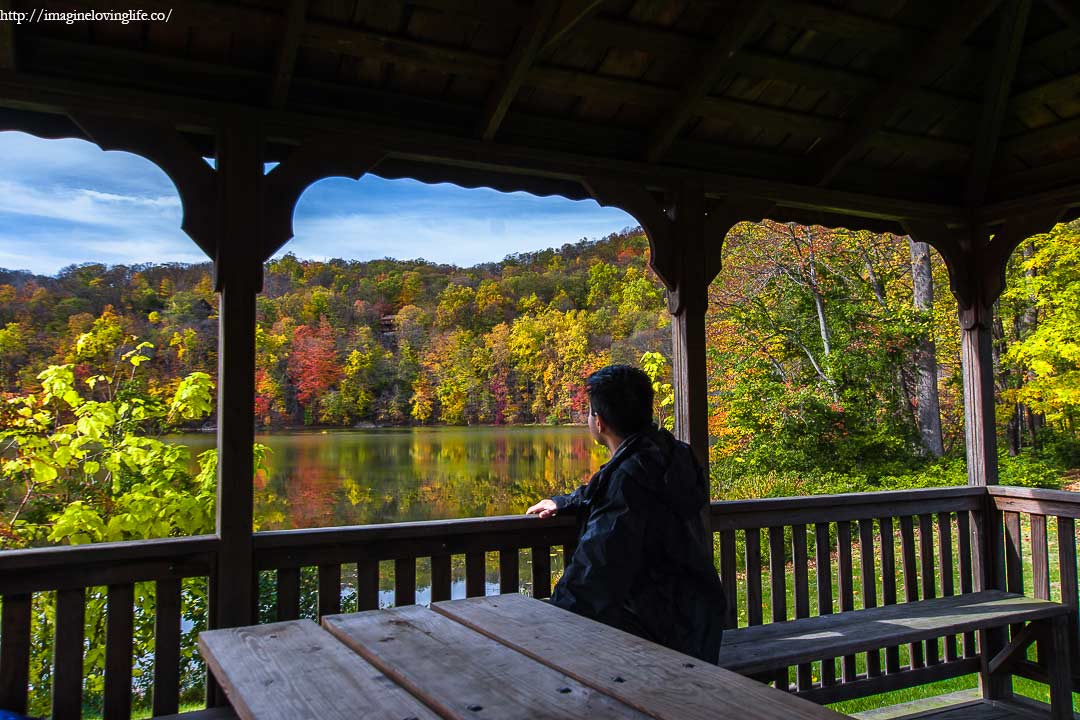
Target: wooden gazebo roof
point(832, 110)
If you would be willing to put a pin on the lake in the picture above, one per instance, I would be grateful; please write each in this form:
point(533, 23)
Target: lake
point(326, 478)
point(329, 478)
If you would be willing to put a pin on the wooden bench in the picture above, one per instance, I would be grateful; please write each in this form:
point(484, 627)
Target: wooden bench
point(763, 650)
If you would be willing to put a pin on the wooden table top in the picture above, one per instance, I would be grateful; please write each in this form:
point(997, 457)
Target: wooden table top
point(503, 656)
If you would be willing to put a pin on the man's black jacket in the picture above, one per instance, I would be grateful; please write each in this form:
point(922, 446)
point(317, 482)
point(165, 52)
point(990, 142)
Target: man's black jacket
point(643, 562)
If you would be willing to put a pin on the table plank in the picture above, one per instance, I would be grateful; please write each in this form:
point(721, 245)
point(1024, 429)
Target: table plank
point(751, 650)
point(658, 681)
point(295, 669)
point(463, 674)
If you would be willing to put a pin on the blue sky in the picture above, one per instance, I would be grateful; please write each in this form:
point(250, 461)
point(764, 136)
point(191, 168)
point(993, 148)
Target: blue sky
point(66, 201)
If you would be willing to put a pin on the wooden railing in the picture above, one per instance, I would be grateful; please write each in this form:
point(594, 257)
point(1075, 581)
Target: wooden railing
point(791, 558)
point(779, 559)
point(1040, 545)
point(328, 550)
point(65, 578)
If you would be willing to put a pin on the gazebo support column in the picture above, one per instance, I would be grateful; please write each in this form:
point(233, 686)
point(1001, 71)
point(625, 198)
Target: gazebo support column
point(978, 375)
point(976, 257)
point(688, 303)
point(239, 272)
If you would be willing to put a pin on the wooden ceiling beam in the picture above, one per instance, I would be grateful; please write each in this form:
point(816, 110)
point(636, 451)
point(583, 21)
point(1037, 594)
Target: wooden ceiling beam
point(742, 22)
point(1012, 26)
point(521, 58)
point(571, 16)
point(840, 23)
point(376, 46)
point(1063, 197)
point(876, 110)
point(43, 94)
point(775, 119)
point(286, 57)
point(1043, 137)
point(1068, 13)
point(1058, 89)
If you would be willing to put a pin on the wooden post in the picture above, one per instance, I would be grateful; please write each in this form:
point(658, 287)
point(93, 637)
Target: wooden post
point(978, 369)
point(239, 271)
point(688, 303)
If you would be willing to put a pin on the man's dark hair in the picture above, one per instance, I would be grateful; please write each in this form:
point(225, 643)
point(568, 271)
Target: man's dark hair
point(623, 396)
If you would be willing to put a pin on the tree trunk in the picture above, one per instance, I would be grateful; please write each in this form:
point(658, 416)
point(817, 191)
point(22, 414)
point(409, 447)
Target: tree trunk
point(1029, 321)
point(926, 394)
point(1003, 380)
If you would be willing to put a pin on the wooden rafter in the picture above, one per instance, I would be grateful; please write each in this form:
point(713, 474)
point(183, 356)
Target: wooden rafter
point(838, 22)
point(555, 79)
point(572, 14)
point(1013, 24)
point(876, 110)
point(520, 60)
point(1067, 12)
point(286, 57)
point(739, 28)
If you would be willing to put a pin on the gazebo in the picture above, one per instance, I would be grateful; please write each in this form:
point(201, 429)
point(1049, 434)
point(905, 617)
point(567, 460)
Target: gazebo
point(957, 122)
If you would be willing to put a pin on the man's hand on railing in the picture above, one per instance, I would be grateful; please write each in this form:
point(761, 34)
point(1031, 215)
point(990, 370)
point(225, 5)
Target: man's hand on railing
point(545, 508)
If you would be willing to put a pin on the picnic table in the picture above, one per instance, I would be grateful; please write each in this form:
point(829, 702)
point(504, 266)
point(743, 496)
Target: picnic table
point(502, 656)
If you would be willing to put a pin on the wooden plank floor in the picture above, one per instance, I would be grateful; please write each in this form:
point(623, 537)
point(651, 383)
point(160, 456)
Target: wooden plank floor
point(961, 706)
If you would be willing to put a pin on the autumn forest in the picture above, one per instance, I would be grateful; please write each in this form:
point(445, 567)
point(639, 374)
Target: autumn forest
point(833, 364)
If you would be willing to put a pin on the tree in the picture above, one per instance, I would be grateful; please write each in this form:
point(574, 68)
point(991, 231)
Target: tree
point(313, 367)
point(1050, 352)
point(926, 396)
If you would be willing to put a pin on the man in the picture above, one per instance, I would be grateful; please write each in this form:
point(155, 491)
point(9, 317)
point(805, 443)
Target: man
point(643, 562)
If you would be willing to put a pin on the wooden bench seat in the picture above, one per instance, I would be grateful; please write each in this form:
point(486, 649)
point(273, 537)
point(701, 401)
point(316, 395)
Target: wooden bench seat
point(760, 649)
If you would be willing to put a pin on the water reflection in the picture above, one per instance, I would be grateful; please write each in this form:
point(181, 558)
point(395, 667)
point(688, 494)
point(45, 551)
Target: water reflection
point(351, 477)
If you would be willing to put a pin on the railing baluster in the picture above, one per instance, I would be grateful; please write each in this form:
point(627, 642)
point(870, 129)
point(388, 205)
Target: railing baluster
point(118, 647)
point(963, 532)
point(68, 654)
point(728, 578)
point(541, 570)
point(945, 561)
point(167, 647)
point(1070, 594)
point(404, 581)
point(1014, 553)
point(1040, 558)
point(926, 559)
point(778, 588)
point(288, 593)
point(474, 573)
point(1014, 560)
point(804, 673)
point(753, 576)
point(911, 588)
point(823, 560)
point(888, 584)
point(846, 582)
point(367, 583)
point(15, 651)
point(441, 582)
point(869, 585)
point(509, 580)
point(329, 589)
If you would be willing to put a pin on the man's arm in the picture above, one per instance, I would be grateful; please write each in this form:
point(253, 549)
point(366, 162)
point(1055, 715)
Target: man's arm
point(552, 505)
point(606, 560)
